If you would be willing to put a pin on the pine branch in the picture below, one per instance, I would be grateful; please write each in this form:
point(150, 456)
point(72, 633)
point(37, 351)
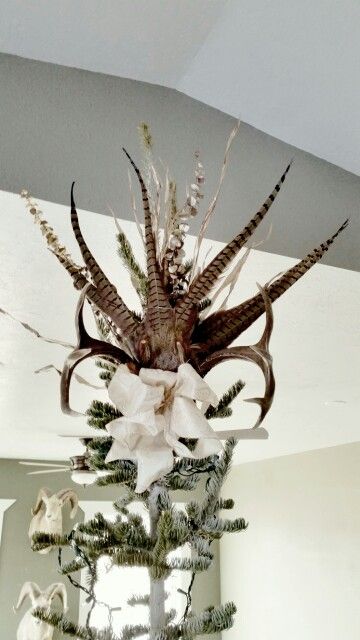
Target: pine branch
point(223, 410)
point(73, 566)
point(178, 483)
point(41, 540)
point(195, 565)
point(171, 534)
point(60, 622)
point(225, 503)
point(100, 413)
point(139, 600)
point(212, 620)
point(130, 631)
point(217, 478)
point(215, 527)
point(126, 474)
point(107, 371)
point(138, 277)
point(137, 558)
point(122, 503)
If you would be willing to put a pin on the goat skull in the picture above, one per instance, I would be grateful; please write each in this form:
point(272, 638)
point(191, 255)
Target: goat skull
point(31, 628)
point(47, 513)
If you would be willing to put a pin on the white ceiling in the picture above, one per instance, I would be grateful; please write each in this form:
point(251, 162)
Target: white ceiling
point(291, 69)
point(315, 344)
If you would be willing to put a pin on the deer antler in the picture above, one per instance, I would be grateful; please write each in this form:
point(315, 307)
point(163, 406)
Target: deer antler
point(158, 308)
point(106, 293)
point(206, 280)
point(258, 354)
point(221, 328)
point(87, 347)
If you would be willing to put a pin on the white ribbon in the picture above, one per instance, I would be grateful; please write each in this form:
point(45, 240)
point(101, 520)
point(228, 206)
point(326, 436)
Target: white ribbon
point(158, 408)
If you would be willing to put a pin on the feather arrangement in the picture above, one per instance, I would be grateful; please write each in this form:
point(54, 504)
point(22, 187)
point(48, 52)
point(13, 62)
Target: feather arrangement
point(174, 290)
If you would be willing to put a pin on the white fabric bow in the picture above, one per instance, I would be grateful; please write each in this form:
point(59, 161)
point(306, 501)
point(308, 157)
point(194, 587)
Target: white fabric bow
point(158, 408)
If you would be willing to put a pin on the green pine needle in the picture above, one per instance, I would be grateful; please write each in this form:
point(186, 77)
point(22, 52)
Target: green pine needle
point(223, 410)
point(138, 276)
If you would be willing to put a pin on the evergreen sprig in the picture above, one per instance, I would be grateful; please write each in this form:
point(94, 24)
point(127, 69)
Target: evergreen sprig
point(130, 631)
point(223, 409)
point(100, 413)
point(60, 622)
point(107, 371)
point(139, 600)
point(138, 276)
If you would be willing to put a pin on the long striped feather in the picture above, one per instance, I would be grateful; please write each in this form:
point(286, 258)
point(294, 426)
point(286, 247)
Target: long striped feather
point(222, 328)
point(204, 282)
point(158, 309)
point(104, 292)
point(99, 278)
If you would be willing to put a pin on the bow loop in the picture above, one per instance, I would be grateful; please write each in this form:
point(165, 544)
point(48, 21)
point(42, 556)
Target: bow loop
point(159, 408)
point(190, 385)
point(131, 395)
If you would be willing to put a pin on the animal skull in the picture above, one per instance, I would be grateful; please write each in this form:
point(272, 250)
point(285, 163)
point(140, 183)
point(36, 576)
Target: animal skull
point(31, 628)
point(47, 513)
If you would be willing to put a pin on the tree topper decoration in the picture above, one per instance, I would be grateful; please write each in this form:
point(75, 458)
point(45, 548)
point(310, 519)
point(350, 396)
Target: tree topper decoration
point(171, 337)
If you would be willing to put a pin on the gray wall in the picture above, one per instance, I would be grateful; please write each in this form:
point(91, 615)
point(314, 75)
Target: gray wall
point(296, 571)
point(19, 564)
point(59, 124)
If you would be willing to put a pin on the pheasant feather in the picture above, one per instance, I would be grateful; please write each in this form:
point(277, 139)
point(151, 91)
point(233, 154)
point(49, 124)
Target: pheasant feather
point(223, 327)
point(106, 294)
point(207, 279)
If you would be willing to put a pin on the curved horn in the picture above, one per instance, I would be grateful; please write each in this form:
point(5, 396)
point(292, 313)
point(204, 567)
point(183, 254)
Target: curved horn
point(119, 312)
point(221, 328)
point(258, 354)
point(206, 280)
point(86, 348)
point(58, 589)
point(39, 500)
point(71, 496)
point(29, 589)
point(158, 308)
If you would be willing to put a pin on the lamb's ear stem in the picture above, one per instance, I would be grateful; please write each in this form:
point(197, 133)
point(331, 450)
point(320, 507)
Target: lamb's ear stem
point(204, 282)
point(222, 328)
point(158, 309)
point(106, 291)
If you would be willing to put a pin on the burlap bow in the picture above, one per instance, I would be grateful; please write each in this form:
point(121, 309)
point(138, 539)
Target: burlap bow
point(159, 407)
